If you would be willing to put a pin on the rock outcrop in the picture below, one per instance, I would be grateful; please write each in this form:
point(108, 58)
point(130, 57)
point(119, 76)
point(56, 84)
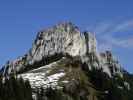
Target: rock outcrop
point(65, 38)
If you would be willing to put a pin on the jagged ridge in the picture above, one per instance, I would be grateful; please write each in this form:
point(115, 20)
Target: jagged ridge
point(65, 38)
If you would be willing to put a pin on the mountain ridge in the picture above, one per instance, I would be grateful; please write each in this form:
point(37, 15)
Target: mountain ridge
point(62, 38)
point(65, 59)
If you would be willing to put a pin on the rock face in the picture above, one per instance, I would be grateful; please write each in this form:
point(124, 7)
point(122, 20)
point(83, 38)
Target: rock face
point(109, 64)
point(59, 57)
point(65, 38)
point(62, 38)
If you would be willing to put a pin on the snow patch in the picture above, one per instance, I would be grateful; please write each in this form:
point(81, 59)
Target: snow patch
point(38, 80)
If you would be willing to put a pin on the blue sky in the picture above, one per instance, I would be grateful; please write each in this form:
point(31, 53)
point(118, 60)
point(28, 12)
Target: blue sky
point(111, 20)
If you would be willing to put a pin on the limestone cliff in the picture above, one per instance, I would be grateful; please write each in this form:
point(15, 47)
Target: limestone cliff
point(65, 38)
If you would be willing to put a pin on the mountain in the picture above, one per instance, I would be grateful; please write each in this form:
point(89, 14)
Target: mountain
point(65, 39)
point(66, 61)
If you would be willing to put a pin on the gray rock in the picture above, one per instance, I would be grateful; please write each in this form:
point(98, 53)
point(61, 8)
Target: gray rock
point(65, 38)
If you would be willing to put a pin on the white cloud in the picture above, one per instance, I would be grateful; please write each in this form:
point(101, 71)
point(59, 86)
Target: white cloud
point(110, 42)
point(107, 30)
point(109, 27)
point(126, 43)
point(124, 26)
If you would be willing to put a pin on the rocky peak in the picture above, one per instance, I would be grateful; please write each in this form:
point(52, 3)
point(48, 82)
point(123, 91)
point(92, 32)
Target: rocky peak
point(64, 38)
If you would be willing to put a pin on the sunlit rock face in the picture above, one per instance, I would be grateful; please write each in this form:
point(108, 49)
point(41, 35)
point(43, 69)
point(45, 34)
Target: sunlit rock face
point(62, 38)
point(110, 64)
point(65, 38)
